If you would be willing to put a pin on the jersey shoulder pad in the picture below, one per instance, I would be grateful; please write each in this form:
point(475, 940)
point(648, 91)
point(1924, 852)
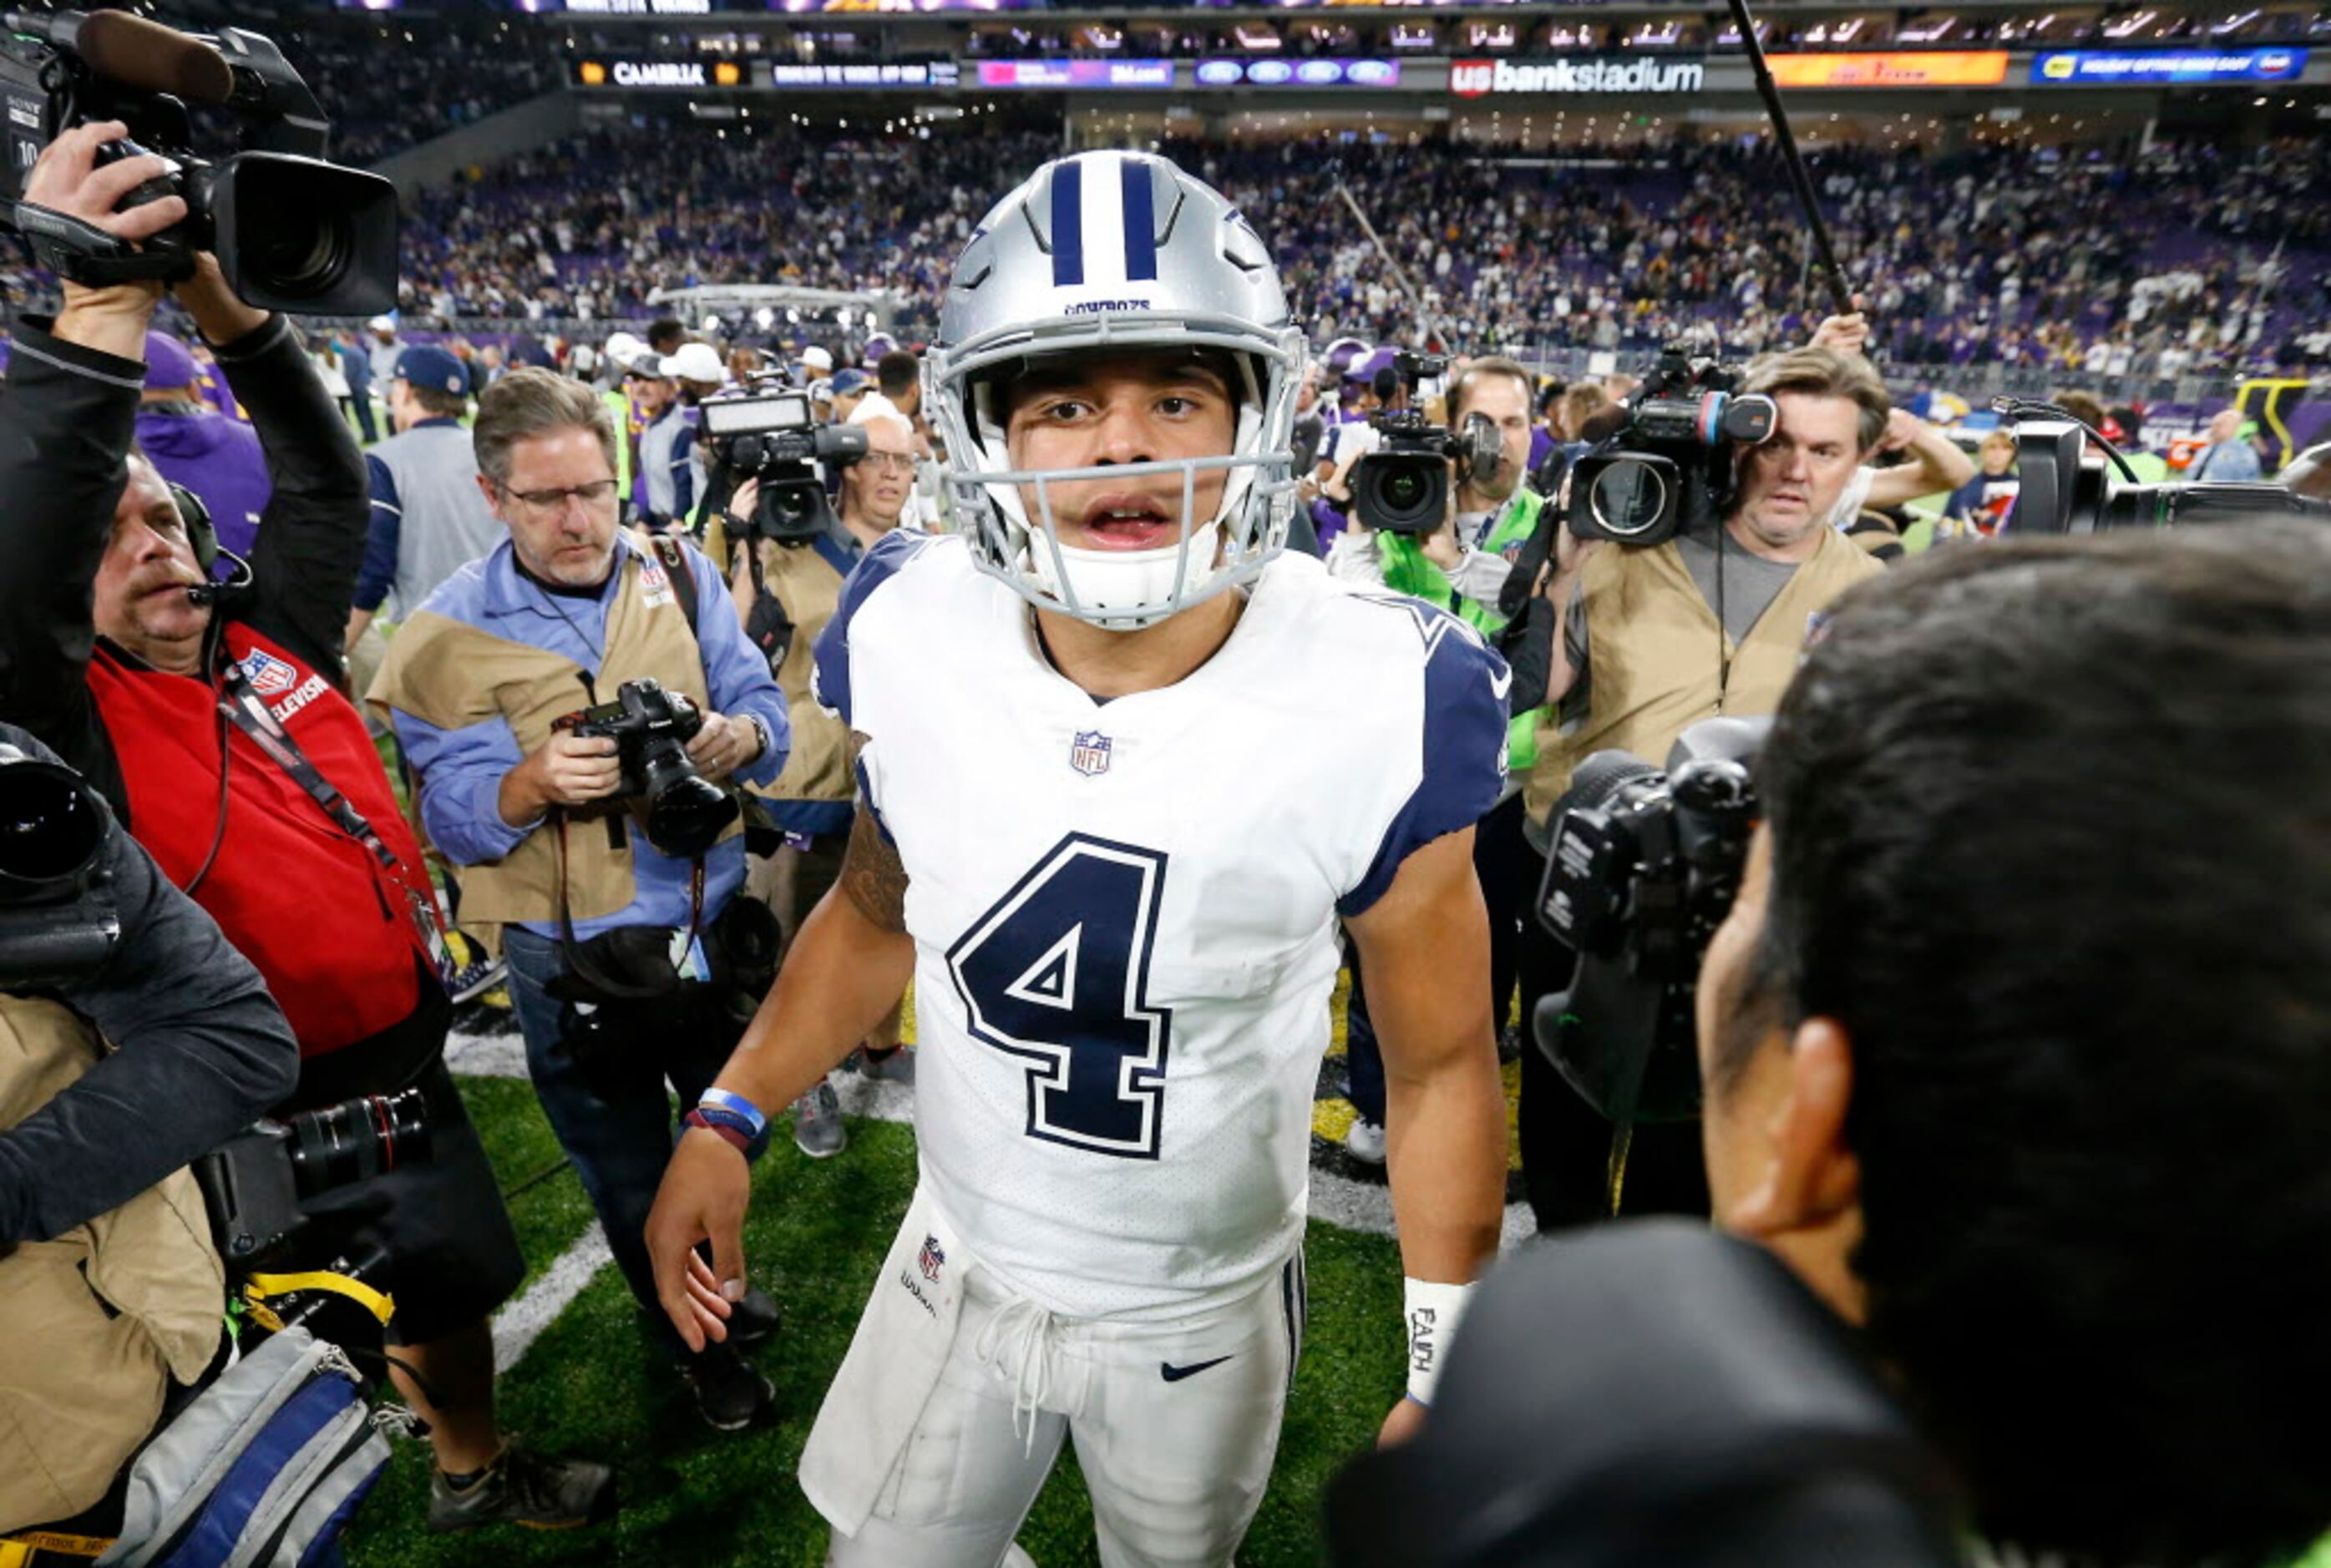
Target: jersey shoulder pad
point(830, 664)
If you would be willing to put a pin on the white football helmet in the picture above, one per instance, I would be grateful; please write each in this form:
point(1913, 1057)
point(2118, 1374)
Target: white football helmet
point(1098, 252)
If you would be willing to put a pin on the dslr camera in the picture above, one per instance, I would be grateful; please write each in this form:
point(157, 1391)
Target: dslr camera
point(255, 1183)
point(291, 232)
point(681, 811)
point(1644, 868)
point(2065, 489)
point(58, 921)
point(1402, 485)
point(774, 436)
point(1671, 466)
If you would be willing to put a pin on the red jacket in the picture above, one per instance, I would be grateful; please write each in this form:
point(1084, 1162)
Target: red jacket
point(333, 930)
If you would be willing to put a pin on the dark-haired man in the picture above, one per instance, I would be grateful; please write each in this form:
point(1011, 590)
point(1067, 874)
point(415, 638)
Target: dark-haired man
point(2042, 1115)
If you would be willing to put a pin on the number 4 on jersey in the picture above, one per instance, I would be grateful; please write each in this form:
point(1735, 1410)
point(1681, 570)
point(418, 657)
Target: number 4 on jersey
point(1057, 973)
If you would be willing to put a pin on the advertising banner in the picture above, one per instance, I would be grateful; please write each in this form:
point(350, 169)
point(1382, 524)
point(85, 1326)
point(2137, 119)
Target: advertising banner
point(2162, 67)
point(1135, 73)
point(1905, 68)
point(1579, 73)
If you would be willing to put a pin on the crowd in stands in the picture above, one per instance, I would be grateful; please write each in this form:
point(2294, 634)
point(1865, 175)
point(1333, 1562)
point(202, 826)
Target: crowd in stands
point(2180, 260)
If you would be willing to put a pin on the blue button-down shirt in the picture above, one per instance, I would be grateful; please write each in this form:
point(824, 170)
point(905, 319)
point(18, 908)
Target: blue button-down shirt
point(461, 770)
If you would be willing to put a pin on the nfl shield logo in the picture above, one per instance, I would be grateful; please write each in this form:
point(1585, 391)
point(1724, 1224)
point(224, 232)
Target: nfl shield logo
point(930, 1259)
point(1089, 755)
point(269, 676)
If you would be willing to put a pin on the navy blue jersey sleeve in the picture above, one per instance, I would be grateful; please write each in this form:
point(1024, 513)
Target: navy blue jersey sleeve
point(830, 664)
point(1464, 754)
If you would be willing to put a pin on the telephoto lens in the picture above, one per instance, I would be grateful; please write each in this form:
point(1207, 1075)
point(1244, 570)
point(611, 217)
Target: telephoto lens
point(357, 1139)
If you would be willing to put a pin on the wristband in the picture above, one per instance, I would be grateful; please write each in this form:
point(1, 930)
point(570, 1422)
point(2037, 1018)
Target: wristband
point(756, 1124)
point(734, 1136)
point(1434, 1310)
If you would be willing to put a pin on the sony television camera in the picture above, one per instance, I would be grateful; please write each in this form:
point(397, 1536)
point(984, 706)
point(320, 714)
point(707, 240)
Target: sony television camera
point(681, 811)
point(291, 232)
point(2064, 488)
point(774, 436)
point(1670, 466)
point(57, 915)
point(1644, 867)
point(1402, 485)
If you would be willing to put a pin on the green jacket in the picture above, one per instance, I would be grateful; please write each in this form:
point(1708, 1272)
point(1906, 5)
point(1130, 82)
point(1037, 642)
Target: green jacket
point(1407, 571)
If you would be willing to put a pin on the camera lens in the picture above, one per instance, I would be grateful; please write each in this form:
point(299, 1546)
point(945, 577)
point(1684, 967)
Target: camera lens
point(1403, 492)
point(686, 815)
point(357, 1139)
point(300, 257)
point(50, 826)
point(1628, 498)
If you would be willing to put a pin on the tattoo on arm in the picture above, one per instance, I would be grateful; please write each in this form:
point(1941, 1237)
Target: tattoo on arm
point(871, 873)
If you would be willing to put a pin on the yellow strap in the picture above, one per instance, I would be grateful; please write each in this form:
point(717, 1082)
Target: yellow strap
point(261, 1285)
point(18, 1549)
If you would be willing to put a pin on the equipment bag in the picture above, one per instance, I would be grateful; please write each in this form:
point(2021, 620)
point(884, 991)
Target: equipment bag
point(262, 1470)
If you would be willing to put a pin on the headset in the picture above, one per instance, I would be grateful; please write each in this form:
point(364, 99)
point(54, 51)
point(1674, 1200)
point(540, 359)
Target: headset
point(201, 534)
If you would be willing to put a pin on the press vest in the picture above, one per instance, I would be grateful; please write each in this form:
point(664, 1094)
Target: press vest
point(1652, 666)
point(450, 674)
point(101, 1319)
point(335, 933)
point(1407, 571)
point(444, 521)
point(806, 584)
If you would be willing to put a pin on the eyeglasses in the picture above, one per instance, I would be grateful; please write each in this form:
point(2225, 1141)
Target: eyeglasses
point(594, 495)
point(897, 462)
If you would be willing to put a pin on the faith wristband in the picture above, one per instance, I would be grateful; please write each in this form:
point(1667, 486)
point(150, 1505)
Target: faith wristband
point(1433, 1311)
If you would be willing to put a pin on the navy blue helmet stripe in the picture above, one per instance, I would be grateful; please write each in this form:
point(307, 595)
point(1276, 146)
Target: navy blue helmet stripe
point(1141, 222)
point(1067, 225)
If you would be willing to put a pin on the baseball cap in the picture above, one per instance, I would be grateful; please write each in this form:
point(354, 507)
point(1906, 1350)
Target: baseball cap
point(620, 347)
point(382, 324)
point(817, 359)
point(168, 366)
point(695, 362)
point(426, 365)
point(849, 380)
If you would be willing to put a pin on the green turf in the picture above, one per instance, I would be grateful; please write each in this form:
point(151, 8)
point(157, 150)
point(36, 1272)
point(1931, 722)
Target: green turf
point(817, 1234)
point(546, 1198)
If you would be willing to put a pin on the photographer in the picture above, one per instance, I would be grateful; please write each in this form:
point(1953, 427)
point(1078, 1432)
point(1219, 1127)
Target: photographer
point(1639, 642)
point(2037, 1117)
point(109, 1281)
point(621, 938)
point(212, 723)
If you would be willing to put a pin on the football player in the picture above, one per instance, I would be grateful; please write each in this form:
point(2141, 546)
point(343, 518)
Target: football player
point(1123, 768)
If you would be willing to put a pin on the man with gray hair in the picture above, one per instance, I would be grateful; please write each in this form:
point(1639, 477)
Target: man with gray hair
point(616, 915)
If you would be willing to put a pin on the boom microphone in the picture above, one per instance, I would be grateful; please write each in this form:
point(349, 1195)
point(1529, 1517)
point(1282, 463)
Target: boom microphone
point(135, 52)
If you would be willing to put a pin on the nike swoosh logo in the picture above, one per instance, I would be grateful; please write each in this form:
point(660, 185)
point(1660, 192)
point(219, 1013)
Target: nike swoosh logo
point(1172, 1373)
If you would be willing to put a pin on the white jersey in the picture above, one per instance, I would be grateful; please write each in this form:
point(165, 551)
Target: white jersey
point(1125, 912)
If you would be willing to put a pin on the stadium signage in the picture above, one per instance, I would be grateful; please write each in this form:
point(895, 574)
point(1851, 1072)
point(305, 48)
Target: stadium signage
point(2151, 67)
point(658, 73)
point(1578, 74)
point(1904, 68)
point(1145, 73)
point(1299, 73)
point(939, 74)
point(623, 7)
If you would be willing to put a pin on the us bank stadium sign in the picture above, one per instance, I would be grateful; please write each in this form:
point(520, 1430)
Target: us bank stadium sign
point(1577, 73)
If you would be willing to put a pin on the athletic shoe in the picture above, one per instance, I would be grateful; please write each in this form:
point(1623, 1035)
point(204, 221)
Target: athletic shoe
point(540, 1491)
point(818, 1131)
point(755, 1318)
point(729, 1390)
point(1365, 1141)
point(896, 1065)
point(475, 972)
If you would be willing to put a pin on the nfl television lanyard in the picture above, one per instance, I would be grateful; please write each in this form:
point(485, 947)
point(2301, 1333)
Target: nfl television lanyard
point(247, 711)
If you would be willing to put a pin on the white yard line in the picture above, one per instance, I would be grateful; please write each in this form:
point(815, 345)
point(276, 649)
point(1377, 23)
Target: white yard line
point(1338, 1200)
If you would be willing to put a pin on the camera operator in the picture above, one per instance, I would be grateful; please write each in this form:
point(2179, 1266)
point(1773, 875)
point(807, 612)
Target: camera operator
point(810, 802)
point(213, 725)
point(601, 918)
point(112, 1079)
point(2030, 1098)
point(1639, 642)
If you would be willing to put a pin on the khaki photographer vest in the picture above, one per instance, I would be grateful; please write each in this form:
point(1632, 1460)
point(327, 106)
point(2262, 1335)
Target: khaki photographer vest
point(450, 674)
point(101, 1319)
point(807, 586)
point(1652, 663)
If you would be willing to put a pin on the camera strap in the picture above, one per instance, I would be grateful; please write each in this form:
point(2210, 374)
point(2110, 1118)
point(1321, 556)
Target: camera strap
point(247, 711)
point(577, 954)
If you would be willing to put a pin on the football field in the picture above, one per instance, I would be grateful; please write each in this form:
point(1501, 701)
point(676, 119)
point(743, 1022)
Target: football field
point(579, 1376)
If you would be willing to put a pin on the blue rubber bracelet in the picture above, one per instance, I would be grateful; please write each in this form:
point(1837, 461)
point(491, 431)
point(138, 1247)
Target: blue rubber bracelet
point(726, 1100)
